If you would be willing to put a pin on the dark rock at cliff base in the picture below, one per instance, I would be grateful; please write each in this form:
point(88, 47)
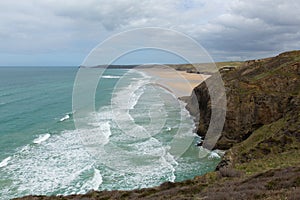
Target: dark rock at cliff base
point(258, 93)
point(273, 184)
point(261, 135)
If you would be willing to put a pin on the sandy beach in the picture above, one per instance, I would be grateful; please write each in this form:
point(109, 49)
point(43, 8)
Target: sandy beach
point(180, 83)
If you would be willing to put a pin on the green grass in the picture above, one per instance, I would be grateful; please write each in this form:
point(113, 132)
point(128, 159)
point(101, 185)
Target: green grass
point(285, 159)
point(277, 156)
point(205, 67)
point(261, 76)
point(230, 63)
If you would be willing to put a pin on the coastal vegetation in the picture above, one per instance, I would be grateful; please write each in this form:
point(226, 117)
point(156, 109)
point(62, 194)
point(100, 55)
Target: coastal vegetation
point(261, 137)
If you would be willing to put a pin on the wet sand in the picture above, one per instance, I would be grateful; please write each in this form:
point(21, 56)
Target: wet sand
point(180, 83)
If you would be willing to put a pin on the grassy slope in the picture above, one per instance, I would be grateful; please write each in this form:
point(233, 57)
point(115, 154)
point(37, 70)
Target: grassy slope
point(264, 166)
point(275, 145)
point(206, 67)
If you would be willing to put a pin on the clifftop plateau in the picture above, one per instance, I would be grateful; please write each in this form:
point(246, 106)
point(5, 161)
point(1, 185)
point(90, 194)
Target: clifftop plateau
point(261, 137)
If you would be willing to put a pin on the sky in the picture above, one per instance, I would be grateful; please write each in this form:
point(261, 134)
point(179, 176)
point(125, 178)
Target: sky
point(62, 33)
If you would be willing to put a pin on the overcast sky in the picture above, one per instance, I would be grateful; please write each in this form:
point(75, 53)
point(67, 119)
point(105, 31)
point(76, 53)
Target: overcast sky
point(56, 32)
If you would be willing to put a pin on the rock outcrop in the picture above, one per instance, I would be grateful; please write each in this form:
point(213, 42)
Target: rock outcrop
point(258, 93)
point(261, 136)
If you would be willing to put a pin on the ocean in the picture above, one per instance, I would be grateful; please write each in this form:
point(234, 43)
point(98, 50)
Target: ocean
point(42, 153)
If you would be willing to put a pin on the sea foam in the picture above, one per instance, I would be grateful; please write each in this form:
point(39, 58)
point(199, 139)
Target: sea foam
point(64, 163)
point(94, 183)
point(110, 77)
point(66, 117)
point(48, 168)
point(41, 138)
point(5, 162)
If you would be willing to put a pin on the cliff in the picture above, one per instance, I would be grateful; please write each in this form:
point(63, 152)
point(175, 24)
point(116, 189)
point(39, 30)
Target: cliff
point(258, 93)
point(261, 137)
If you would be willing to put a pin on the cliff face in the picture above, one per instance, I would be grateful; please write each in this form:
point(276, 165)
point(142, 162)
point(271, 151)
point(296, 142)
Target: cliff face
point(261, 136)
point(259, 92)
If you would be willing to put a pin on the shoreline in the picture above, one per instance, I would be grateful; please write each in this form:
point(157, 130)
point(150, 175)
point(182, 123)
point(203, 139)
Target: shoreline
point(180, 83)
point(262, 163)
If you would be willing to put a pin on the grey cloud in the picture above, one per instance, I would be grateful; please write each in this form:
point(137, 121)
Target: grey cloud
point(253, 27)
point(114, 14)
point(228, 29)
point(276, 12)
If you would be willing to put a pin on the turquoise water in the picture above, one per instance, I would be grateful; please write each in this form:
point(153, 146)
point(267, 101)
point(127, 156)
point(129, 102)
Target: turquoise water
point(41, 152)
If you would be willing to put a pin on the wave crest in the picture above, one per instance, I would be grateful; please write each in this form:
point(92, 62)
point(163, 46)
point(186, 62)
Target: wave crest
point(41, 138)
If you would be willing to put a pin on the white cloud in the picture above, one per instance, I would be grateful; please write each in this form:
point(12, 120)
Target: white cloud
point(254, 29)
point(228, 29)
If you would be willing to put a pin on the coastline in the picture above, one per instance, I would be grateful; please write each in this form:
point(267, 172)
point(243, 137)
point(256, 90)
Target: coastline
point(180, 83)
point(262, 124)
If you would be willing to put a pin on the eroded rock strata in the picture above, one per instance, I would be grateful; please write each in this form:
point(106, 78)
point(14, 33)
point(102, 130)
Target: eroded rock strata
point(261, 137)
point(258, 93)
